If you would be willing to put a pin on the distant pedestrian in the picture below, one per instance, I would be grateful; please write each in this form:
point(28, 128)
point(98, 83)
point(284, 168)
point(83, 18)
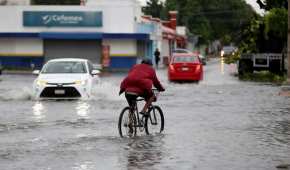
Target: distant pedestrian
point(157, 56)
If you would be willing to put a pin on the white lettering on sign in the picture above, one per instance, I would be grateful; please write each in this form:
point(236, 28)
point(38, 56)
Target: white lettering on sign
point(62, 19)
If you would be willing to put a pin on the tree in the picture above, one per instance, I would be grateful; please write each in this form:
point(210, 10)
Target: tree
point(55, 2)
point(154, 8)
point(212, 19)
point(250, 36)
point(269, 4)
point(276, 22)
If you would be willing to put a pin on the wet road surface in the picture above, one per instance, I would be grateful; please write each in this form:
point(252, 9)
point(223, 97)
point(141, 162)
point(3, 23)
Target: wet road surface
point(219, 123)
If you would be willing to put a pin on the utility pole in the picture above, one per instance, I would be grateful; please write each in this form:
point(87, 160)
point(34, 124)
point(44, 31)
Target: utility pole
point(288, 45)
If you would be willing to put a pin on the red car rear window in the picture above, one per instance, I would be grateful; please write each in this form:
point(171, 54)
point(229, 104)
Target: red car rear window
point(185, 59)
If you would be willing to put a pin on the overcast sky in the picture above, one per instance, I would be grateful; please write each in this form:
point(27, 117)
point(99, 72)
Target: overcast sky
point(251, 2)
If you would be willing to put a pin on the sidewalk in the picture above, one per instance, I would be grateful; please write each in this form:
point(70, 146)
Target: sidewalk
point(17, 72)
point(285, 90)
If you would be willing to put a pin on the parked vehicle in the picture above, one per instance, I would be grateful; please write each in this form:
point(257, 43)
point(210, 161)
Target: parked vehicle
point(185, 66)
point(181, 51)
point(65, 78)
point(228, 50)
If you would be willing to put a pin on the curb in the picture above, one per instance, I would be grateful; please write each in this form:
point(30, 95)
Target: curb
point(285, 91)
point(16, 72)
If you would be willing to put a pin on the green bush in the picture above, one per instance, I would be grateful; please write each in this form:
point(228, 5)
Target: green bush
point(263, 76)
point(232, 58)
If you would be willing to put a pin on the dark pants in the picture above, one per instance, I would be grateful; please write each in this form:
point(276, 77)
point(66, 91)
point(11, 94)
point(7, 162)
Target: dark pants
point(131, 97)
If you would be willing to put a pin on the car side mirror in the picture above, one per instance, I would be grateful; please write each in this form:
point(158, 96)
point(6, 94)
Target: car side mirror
point(95, 72)
point(36, 72)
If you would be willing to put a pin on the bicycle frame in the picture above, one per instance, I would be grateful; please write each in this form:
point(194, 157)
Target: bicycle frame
point(135, 110)
point(154, 120)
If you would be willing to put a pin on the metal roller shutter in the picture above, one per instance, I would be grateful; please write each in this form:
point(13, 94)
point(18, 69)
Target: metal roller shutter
point(88, 49)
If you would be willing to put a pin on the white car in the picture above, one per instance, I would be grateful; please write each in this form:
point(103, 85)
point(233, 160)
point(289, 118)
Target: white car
point(66, 78)
point(228, 50)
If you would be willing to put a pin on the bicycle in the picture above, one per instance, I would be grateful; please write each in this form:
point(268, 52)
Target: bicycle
point(130, 119)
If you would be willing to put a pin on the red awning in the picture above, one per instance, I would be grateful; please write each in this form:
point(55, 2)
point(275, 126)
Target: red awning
point(168, 33)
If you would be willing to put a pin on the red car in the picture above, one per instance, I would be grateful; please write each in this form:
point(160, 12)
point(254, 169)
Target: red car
point(185, 66)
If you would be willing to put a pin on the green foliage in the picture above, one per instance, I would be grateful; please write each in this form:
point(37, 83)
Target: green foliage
point(210, 19)
point(55, 2)
point(249, 37)
point(270, 4)
point(226, 39)
point(263, 76)
point(248, 43)
point(232, 58)
point(272, 27)
point(276, 22)
point(154, 8)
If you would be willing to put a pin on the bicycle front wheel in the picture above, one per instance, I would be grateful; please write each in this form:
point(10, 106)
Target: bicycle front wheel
point(154, 124)
point(127, 123)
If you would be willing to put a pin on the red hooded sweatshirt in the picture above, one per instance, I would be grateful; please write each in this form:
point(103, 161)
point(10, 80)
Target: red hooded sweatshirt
point(140, 80)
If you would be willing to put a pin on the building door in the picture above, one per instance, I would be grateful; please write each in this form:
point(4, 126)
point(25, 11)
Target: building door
point(141, 49)
point(87, 49)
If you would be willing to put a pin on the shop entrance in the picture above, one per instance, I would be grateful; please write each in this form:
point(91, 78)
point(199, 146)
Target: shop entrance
point(87, 49)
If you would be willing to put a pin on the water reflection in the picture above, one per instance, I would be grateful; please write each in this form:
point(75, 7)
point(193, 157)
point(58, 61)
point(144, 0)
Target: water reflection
point(145, 152)
point(83, 166)
point(83, 109)
point(223, 65)
point(38, 111)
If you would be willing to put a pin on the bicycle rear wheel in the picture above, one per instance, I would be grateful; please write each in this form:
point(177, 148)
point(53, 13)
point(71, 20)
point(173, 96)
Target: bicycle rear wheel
point(155, 121)
point(127, 123)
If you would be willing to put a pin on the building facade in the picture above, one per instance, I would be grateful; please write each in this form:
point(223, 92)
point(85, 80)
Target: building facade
point(31, 35)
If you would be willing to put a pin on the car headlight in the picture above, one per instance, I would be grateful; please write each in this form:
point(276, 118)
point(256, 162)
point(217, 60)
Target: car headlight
point(41, 82)
point(81, 82)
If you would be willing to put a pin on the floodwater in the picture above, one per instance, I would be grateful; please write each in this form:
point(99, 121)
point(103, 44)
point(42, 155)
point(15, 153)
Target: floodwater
point(220, 123)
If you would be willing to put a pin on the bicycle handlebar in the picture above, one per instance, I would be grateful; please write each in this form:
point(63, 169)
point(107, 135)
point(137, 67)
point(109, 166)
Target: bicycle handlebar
point(156, 92)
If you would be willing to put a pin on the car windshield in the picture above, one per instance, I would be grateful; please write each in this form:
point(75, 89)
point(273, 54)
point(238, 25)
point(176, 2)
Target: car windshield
point(228, 49)
point(185, 59)
point(65, 67)
point(181, 51)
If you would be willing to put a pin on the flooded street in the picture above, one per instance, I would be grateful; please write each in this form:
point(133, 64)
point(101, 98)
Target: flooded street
point(220, 123)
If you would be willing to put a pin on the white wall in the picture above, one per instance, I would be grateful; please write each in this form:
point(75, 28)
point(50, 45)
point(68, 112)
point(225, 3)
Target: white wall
point(181, 30)
point(122, 47)
point(117, 18)
point(165, 48)
point(21, 46)
point(14, 2)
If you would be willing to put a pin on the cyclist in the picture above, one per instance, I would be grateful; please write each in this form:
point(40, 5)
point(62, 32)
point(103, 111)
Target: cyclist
point(139, 82)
